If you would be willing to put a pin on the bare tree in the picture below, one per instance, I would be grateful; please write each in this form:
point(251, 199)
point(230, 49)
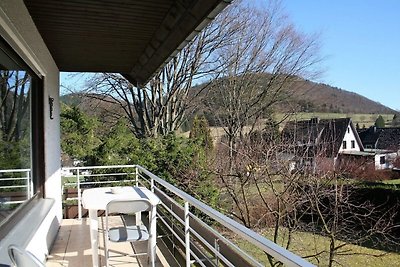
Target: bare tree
point(14, 104)
point(268, 54)
point(267, 192)
point(338, 211)
point(160, 106)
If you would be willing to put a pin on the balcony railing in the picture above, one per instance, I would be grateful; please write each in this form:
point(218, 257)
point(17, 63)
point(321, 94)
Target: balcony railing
point(197, 242)
point(15, 186)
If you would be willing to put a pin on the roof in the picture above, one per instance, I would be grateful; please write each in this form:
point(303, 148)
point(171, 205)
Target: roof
point(327, 134)
point(131, 37)
point(367, 152)
point(381, 138)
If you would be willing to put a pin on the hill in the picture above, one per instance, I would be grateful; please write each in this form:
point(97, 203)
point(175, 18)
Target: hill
point(306, 97)
point(318, 97)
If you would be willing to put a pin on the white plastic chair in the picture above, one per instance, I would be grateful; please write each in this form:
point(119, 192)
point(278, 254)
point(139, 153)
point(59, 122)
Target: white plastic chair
point(125, 233)
point(23, 258)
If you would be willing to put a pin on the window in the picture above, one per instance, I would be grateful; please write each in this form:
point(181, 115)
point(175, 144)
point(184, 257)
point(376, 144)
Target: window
point(348, 129)
point(382, 160)
point(344, 145)
point(353, 144)
point(20, 149)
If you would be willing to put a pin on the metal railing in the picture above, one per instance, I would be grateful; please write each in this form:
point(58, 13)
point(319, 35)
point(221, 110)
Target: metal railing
point(13, 178)
point(200, 243)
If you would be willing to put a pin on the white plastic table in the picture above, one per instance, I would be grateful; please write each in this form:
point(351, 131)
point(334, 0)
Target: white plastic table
point(95, 199)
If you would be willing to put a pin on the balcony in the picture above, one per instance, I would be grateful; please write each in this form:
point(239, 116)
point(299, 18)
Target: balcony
point(189, 232)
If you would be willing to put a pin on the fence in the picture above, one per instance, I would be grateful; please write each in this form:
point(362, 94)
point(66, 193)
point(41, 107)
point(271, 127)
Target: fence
point(197, 242)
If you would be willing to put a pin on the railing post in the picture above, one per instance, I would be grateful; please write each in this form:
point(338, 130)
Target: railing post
point(152, 185)
point(187, 234)
point(137, 176)
point(216, 246)
point(29, 184)
point(79, 195)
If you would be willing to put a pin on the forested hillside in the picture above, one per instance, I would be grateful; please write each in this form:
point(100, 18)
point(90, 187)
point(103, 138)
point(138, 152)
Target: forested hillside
point(317, 97)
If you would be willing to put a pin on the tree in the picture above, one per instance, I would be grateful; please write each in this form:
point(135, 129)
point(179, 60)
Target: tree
point(338, 211)
point(200, 131)
point(79, 133)
point(380, 122)
point(268, 194)
point(396, 120)
point(14, 104)
point(15, 91)
point(160, 106)
point(265, 59)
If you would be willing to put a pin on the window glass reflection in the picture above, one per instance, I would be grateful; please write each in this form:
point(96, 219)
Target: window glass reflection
point(15, 135)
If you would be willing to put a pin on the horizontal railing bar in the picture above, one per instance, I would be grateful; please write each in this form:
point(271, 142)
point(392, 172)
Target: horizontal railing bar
point(172, 231)
point(14, 178)
point(224, 239)
point(99, 174)
point(210, 247)
point(14, 202)
point(172, 213)
point(12, 186)
point(15, 170)
point(99, 167)
point(100, 182)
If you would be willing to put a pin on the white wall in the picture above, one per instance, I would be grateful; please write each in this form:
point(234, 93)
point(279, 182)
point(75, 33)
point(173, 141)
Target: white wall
point(348, 137)
point(18, 29)
point(389, 158)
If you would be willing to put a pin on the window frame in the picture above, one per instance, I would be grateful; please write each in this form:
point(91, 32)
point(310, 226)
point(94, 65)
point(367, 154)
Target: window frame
point(353, 144)
point(344, 145)
point(36, 143)
point(382, 160)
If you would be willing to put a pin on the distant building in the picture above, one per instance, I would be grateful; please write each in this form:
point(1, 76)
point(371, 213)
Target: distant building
point(381, 138)
point(331, 143)
point(319, 142)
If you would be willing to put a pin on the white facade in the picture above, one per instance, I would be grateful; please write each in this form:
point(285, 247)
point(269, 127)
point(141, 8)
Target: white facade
point(349, 142)
point(37, 231)
point(384, 161)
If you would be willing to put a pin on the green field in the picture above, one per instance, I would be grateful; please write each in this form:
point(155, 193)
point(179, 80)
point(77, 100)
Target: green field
point(304, 243)
point(362, 119)
point(366, 120)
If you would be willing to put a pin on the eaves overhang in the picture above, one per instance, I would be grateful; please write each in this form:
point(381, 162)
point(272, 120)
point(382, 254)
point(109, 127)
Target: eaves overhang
point(132, 37)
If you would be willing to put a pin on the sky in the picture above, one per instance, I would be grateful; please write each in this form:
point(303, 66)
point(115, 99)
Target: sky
point(360, 41)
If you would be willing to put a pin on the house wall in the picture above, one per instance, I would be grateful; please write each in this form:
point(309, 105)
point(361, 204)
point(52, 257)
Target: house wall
point(348, 137)
point(389, 159)
point(18, 29)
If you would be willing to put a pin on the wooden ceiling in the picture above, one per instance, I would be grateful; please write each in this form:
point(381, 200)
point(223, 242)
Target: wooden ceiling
point(131, 37)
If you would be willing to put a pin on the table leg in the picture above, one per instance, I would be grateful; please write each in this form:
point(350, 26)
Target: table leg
point(153, 235)
point(94, 236)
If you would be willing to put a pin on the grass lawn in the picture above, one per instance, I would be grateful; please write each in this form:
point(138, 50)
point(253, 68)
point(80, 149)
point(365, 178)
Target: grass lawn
point(366, 120)
point(362, 119)
point(394, 181)
point(304, 243)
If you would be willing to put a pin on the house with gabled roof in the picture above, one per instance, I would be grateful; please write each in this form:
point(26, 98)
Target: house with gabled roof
point(321, 139)
point(381, 138)
point(328, 143)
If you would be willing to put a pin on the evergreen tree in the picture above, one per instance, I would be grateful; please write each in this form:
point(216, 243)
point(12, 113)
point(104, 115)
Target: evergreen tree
point(79, 133)
point(396, 120)
point(201, 131)
point(380, 122)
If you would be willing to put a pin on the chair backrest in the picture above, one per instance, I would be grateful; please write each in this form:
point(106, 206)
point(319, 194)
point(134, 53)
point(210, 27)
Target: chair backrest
point(128, 206)
point(23, 258)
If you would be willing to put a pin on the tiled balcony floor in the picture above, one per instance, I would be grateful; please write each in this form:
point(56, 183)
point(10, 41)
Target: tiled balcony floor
point(72, 248)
